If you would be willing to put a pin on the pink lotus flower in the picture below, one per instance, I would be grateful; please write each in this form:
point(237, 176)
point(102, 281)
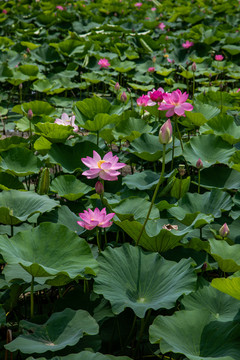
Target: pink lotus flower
point(238, 90)
point(138, 5)
point(144, 100)
point(219, 57)
point(199, 164)
point(151, 69)
point(169, 60)
point(4, 11)
point(175, 103)
point(59, 7)
point(187, 44)
point(156, 95)
point(165, 133)
point(94, 218)
point(105, 169)
point(161, 26)
point(153, 9)
point(104, 63)
point(67, 121)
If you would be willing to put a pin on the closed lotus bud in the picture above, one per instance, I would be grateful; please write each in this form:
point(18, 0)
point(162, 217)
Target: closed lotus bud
point(199, 164)
point(194, 67)
point(99, 188)
point(20, 85)
point(123, 97)
point(30, 114)
point(182, 170)
point(117, 86)
point(165, 133)
point(224, 230)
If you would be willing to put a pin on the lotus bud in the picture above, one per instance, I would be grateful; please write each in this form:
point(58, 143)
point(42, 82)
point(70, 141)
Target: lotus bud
point(199, 164)
point(165, 133)
point(30, 114)
point(224, 230)
point(123, 97)
point(99, 187)
point(117, 86)
point(182, 170)
point(20, 85)
point(194, 67)
point(204, 266)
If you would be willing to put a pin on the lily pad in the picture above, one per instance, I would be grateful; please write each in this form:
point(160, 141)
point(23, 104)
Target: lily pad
point(69, 187)
point(227, 256)
point(220, 177)
point(129, 277)
point(230, 286)
point(54, 132)
point(145, 180)
point(85, 355)
point(62, 329)
point(37, 107)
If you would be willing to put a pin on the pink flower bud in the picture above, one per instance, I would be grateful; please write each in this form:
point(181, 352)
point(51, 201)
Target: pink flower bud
point(165, 133)
point(20, 86)
point(30, 114)
point(117, 86)
point(123, 97)
point(99, 188)
point(151, 69)
point(224, 230)
point(219, 57)
point(199, 164)
point(194, 67)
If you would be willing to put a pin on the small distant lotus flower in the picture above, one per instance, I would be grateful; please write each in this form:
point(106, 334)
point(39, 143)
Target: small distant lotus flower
point(219, 57)
point(30, 114)
point(104, 63)
point(117, 86)
point(151, 69)
point(94, 218)
point(144, 100)
point(4, 11)
point(153, 9)
point(138, 5)
point(161, 26)
point(165, 133)
point(199, 164)
point(169, 60)
point(99, 187)
point(67, 121)
point(105, 169)
point(224, 230)
point(156, 95)
point(123, 97)
point(59, 7)
point(238, 90)
point(175, 103)
point(187, 44)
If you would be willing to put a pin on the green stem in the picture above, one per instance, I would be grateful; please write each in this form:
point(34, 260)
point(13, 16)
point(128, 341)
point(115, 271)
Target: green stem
point(193, 87)
point(97, 138)
point(98, 239)
point(105, 236)
point(179, 134)
point(32, 298)
point(173, 146)
point(132, 328)
point(154, 195)
point(198, 181)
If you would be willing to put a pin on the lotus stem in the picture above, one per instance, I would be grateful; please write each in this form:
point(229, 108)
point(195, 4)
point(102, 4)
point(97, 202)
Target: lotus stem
point(154, 194)
point(32, 298)
point(198, 181)
point(98, 239)
point(179, 134)
point(173, 144)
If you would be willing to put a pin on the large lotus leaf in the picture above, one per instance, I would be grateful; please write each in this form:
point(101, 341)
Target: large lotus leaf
point(148, 147)
point(11, 142)
point(20, 161)
point(49, 249)
point(69, 157)
point(85, 355)
point(227, 256)
point(224, 126)
point(30, 70)
point(130, 277)
point(145, 180)
point(123, 66)
point(196, 335)
point(54, 132)
point(134, 208)
point(232, 49)
point(210, 149)
point(210, 203)
point(220, 177)
point(62, 329)
point(235, 161)
point(37, 107)
point(222, 306)
point(99, 121)
point(8, 181)
point(130, 129)
point(69, 187)
point(45, 54)
point(230, 286)
point(18, 206)
point(15, 271)
point(91, 107)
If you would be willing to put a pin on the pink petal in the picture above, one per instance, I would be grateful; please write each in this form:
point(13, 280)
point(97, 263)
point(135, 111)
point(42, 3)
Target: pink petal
point(109, 156)
point(179, 110)
point(90, 162)
point(170, 112)
point(96, 156)
point(118, 166)
point(106, 166)
point(187, 107)
point(106, 176)
point(91, 174)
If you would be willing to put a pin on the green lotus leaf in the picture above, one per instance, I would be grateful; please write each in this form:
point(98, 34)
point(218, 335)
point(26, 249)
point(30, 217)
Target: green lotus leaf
point(201, 336)
point(92, 78)
point(134, 208)
point(20, 161)
point(30, 45)
point(45, 54)
point(210, 149)
point(18, 206)
point(232, 49)
point(220, 177)
point(224, 126)
point(10, 142)
point(140, 87)
point(222, 306)
point(180, 187)
point(91, 107)
point(129, 277)
point(67, 46)
point(29, 70)
point(69, 157)
point(62, 329)
point(37, 107)
point(145, 180)
point(230, 286)
point(8, 181)
point(235, 161)
point(227, 256)
point(195, 118)
point(210, 203)
point(69, 187)
point(122, 66)
point(85, 355)
point(100, 121)
point(42, 145)
point(54, 132)
point(130, 129)
point(49, 249)
point(44, 85)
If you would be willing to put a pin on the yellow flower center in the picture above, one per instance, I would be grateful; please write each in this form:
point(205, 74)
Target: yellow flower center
point(99, 163)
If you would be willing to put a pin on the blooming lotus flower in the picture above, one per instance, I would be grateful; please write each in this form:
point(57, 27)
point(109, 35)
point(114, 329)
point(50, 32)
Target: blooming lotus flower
point(219, 57)
point(59, 7)
point(153, 9)
point(151, 69)
point(156, 95)
point(94, 218)
point(187, 44)
point(104, 63)
point(161, 26)
point(138, 5)
point(175, 103)
point(105, 169)
point(144, 100)
point(165, 133)
point(224, 230)
point(67, 121)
